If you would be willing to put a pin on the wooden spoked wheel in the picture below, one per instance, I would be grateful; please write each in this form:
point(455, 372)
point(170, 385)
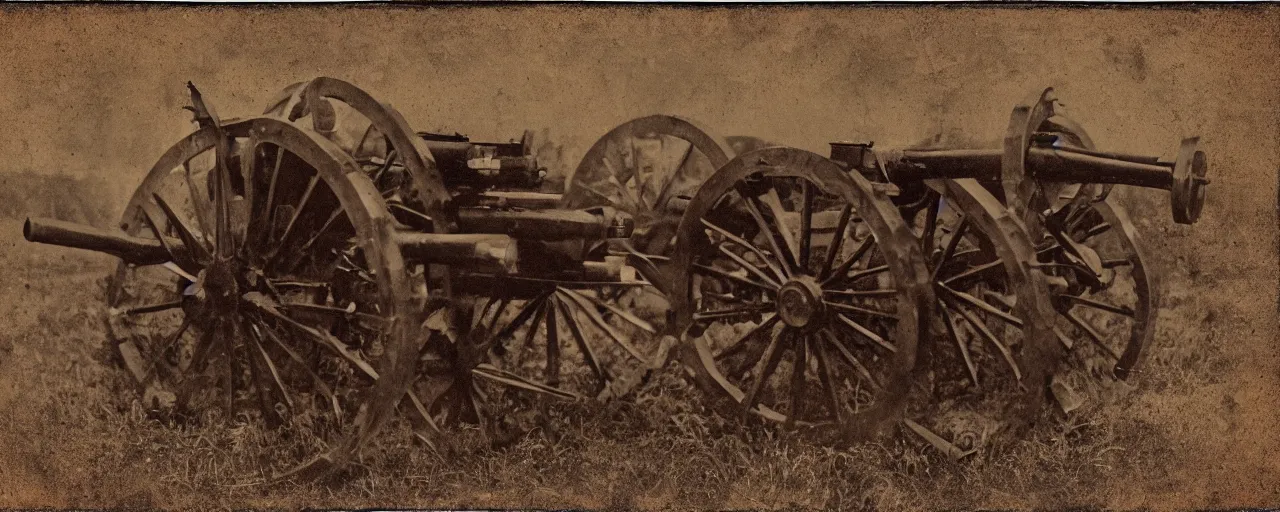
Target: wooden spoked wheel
point(1105, 297)
point(993, 347)
point(296, 307)
point(800, 294)
point(640, 167)
point(529, 342)
point(1106, 319)
point(378, 138)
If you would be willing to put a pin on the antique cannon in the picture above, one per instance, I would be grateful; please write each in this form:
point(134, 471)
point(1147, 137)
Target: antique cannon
point(325, 267)
point(329, 265)
point(967, 272)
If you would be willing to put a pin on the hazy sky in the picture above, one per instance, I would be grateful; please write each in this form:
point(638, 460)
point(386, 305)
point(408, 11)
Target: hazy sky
point(99, 89)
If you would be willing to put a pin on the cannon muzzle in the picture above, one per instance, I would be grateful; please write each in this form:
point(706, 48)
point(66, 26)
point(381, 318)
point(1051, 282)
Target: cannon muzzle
point(131, 249)
point(1185, 178)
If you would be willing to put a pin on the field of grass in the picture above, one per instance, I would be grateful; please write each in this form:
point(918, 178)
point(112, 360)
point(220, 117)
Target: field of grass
point(1194, 430)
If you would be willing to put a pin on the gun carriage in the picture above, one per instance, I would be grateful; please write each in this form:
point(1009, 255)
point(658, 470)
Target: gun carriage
point(327, 269)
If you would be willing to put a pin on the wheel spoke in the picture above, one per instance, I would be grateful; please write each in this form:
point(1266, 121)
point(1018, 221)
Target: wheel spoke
point(888, 292)
point(664, 194)
point(303, 251)
point(615, 177)
point(274, 373)
point(721, 314)
point(1094, 231)
point(850, 359)
point(752, 204)
point(420, 410)
point(366, 320)
point(553, 345)
point(529, 310)
point(840, 273)
point(199, 250)
point(152, 308)
point(745, 340)
point(588, 355)
point(268, 306)
point(223, 237)
point(771, 200)
point(1092, 334)
point(956, 236)
point(539, 312)
point(182, 258)
point(963, 278)
point(975, 302)
point(199, 202)
point(506, 378)
point(158, 352)
point(622, 203)
point(860, 310)
point(233, 366)
point(930, 226)
point(837, 240)
point(764, 258)
point(1104, 306)
point(267, 217)
point(724, 249)
point(297, 212)
point(953, 331)
point(828, 381)
point(866, 333)
point(806, 222)
point(799, 366)
point(712, 271)
point(985, 333)
point(197, 366)
point(301, 363)
point(621, 313)
point(204, 347)
point(854, 277)
point(765, 368)
point(593, 315)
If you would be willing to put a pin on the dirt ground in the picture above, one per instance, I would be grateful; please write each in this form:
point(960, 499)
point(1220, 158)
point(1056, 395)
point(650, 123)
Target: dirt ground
point(96, 91)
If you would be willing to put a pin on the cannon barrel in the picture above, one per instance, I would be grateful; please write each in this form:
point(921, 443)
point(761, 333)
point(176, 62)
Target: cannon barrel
point(484, 165)
point(1184, 178)
point(479, 252)
point(1051, 164)
point(547, 225)
point(131, 249)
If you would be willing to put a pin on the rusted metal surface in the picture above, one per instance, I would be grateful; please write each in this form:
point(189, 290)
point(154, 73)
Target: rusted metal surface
point(484, 252)
point(130, 249)
point(549, 225)
point(1185, 178)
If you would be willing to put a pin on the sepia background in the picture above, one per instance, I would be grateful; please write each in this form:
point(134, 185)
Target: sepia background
point(92, 95)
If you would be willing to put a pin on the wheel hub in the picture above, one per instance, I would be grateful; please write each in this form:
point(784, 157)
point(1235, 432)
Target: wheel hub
point(800, 301)
point(221, 285)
